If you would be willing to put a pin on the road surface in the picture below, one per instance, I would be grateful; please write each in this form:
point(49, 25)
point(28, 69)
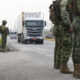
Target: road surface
point(30, 62)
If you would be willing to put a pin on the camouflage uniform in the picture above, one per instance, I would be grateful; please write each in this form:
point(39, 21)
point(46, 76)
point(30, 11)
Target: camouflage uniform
point(57, 53)
point(66, 32)
point(59, 47)
point(74, 11)
point(66, 37)
point(76, 54)
point(76, 46)
point(55, 18)
point(5, 32)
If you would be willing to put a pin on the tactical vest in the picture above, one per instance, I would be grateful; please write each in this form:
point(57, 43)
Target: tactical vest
point(5, 31)
point(75, 5)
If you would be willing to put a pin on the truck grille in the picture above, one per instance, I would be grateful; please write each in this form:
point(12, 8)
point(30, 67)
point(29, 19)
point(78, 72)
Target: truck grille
point(34, 32)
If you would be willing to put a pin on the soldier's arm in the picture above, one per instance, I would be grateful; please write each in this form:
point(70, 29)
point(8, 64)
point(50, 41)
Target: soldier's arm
point(56, 30)
point(65, 18)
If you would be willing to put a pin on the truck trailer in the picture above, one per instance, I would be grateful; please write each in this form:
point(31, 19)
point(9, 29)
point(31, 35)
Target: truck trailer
point(30, 27)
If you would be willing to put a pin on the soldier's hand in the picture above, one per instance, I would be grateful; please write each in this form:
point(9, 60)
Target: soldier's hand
point(71, 30)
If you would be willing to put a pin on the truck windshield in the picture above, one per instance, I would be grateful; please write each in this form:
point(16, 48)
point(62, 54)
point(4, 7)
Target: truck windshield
point(13, 33)
point(34, 23)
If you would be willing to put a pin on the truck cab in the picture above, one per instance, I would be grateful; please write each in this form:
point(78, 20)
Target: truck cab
point(34, 31)
point(32, 28)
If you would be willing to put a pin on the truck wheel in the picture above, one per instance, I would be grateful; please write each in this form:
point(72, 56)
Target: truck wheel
point(25, 41)
point(22, 41)
point(19, 41)
point(36, 42)
point(41, 42)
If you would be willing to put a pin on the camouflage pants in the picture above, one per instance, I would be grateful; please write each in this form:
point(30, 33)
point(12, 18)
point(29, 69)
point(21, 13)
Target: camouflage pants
point(58, 53)
point(76, 55)
point(57, 57)
point(76, 50)
point(76, 45)
point(55, 50)
point(4, 39)
point(66, 47)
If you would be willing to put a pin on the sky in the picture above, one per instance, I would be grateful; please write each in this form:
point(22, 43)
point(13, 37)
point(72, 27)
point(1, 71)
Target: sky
point(10, 9)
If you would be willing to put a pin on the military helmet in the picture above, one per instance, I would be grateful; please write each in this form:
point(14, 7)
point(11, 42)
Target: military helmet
point(4, 22)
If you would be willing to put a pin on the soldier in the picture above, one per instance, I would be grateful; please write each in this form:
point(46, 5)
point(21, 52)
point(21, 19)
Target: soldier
point(74, 9)
point(55, 17)
point(4, 32)
point(66, 31)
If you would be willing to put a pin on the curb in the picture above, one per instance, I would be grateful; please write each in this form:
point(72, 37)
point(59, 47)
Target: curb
point(49, 39)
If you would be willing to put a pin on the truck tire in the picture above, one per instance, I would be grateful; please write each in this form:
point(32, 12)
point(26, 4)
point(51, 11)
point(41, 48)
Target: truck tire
point(41, 42)
point(22, 39)
point(36, 42)
point(25, 41)
point(19, 41)
point(19, 38)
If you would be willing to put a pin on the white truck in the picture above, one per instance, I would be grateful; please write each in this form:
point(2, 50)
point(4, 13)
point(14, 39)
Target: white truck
point(30, 27)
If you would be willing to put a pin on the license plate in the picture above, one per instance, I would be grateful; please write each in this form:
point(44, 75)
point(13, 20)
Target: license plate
point(34, 38)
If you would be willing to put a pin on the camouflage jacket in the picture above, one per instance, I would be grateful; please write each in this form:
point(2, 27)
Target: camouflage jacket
point(4, 30)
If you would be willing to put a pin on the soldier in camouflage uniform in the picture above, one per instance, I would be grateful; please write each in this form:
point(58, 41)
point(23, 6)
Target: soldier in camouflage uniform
point(66, 31)
point(56, 19)
point(74, 11)
point(4, 32)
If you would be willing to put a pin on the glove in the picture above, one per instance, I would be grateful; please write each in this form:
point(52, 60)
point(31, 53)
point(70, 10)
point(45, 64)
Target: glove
point(71, 30)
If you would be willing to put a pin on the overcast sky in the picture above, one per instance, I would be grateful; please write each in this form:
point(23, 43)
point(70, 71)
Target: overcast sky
point(10, 9)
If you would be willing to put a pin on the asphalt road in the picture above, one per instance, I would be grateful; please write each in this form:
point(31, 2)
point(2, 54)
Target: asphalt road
point(30, 62)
